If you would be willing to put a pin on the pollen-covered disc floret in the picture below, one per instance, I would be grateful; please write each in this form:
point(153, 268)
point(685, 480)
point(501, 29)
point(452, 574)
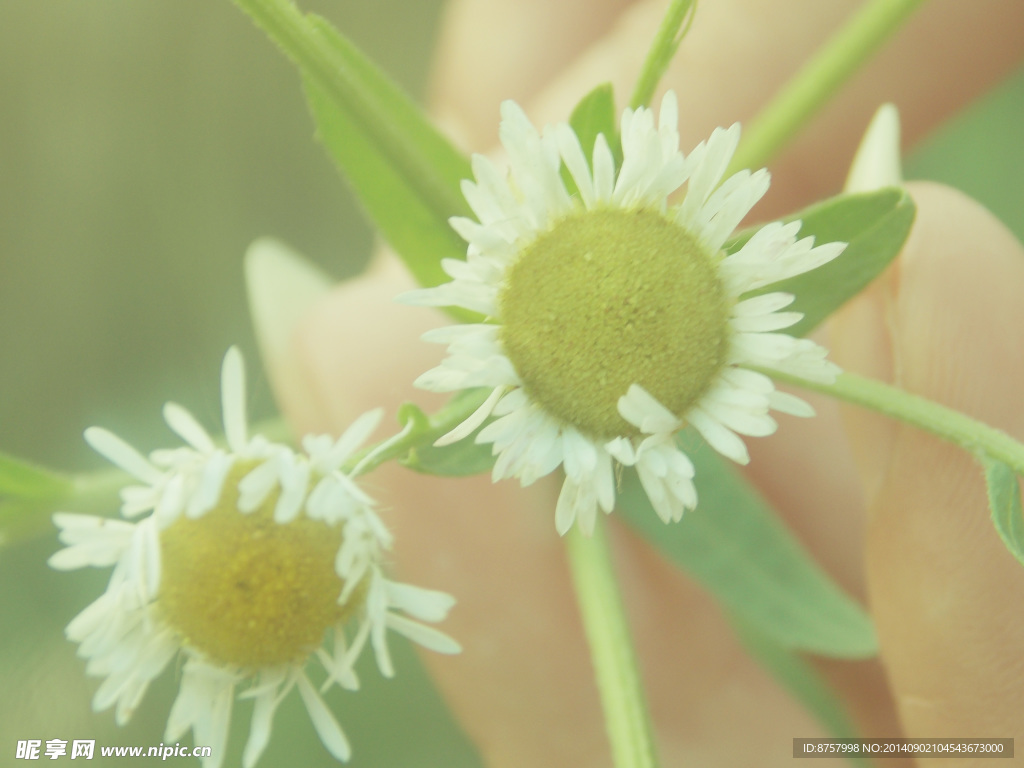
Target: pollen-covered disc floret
point(248, 561)
point(613, 318)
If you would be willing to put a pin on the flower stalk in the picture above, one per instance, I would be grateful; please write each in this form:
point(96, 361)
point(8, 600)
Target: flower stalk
point(820, 79)
point(673, 29)
point(975, 437)
point(618, 678)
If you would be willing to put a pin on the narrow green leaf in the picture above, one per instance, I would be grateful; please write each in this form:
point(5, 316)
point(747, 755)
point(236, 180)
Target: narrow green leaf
point(24, 481)
point(405, 172)
point(875, 225)
point(1004, 501)
point(803, 682)
point(747, 558)
point(394, 192)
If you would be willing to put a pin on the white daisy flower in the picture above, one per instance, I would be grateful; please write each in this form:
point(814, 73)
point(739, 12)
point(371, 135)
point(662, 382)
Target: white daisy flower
point(614, 318)
point(252, 560)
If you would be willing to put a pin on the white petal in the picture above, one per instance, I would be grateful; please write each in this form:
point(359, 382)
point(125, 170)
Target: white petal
point(478, 417)
point(579, 455)
point(729, 205)
point(604, 170)
point(423, 604)
point(254, 488)
point(791, 404)
point(294, 473)
point(232, 393)
point(708, 162)
point(171, 501)
point(93, 541)
point(338, 665)
point(567, 507)
point(185, 424)
point(640, 408)
point(118, 452)
point(604, 481)
point(764, 304)
point(211, 483)
point(326, 726)
point(353, 437)
point(259, 728)
point(576, 162)
point(217, 728)
point(723, 440)
point(622, 450)
point(152, 556)
point(430, 638)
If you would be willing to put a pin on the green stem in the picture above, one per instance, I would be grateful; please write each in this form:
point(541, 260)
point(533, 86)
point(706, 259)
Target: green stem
point(298, 37)
point(819, 80)
point(973, 436)
point(94, 493)
point(604, 619)
point(419, 430)
point(673, 29)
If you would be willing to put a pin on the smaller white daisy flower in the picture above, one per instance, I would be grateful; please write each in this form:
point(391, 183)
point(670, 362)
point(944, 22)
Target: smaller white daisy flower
point(250, 559)
point(614, 318)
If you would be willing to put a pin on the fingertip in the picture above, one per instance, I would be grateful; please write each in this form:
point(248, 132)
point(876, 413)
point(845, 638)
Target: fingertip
point(947, 323)
point(357, 349)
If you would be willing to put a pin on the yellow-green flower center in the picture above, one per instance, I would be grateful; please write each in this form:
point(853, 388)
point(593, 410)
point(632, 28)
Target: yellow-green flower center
point(247, 591)
point(609, 298)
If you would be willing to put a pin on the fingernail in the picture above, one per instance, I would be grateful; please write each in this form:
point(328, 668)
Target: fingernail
point(876, 163)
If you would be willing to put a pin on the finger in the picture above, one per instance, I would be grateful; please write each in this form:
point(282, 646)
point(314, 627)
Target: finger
point(942, 586)
point(492, 546)
point(507, 49)
point(931, 67)
point(736, 56)
point(523, 687)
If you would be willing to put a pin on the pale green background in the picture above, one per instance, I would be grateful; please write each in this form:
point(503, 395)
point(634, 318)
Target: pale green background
point(143, 145)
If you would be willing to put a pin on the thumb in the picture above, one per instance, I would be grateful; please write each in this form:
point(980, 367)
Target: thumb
point(947, 323)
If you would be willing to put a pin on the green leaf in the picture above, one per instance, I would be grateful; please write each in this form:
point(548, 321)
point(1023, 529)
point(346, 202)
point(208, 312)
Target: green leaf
point(28, 482)
point(466, 457)
point(405, 173)
point(875, 225)
point(461, 459)
point(803, 682)
point(28, 494)
point(747, 558)
point(1004, 502)
point(404, 170)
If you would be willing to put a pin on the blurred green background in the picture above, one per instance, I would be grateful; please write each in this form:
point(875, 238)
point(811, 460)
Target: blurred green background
point(143, 146)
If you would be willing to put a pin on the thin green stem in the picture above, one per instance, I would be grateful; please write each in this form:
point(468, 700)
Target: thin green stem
point(819, 80)
point(93, 493)
point(604, 619)
point(673, 29)
point(419, 431)
point(298, 37)
point(974, 436)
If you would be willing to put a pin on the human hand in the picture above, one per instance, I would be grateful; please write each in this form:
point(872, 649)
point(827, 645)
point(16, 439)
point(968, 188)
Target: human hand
point(910, 508)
